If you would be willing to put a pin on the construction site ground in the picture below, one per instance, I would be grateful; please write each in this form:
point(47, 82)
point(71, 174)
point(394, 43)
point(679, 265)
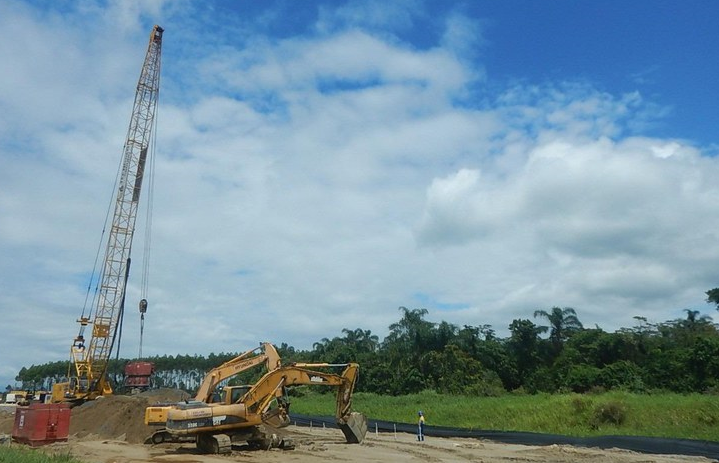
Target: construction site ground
point(111, 430)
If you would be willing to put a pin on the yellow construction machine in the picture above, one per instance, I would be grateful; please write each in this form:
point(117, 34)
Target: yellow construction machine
point(87, 373)
point(240, 416)
point(265, 354)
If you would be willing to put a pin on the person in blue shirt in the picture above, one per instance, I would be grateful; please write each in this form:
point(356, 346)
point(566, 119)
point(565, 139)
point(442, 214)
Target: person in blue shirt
point(420, 430)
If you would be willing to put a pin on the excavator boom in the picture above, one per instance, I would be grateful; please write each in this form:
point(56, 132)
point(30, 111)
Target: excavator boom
point(266, 354)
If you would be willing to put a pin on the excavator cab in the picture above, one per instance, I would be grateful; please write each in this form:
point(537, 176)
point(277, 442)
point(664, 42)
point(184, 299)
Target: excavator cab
point(236, 393)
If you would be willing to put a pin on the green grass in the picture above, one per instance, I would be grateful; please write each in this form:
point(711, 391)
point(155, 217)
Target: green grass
point(21, 454)
point(691, 416)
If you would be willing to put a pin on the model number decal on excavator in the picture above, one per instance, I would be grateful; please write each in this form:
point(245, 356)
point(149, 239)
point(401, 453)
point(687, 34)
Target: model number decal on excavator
point(317, 379)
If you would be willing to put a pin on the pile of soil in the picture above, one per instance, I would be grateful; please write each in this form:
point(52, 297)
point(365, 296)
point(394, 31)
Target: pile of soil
point(116, 417)
point(7, 419)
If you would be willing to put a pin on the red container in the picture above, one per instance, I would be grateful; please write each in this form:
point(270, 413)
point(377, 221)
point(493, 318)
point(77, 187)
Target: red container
point(139, 369)
point(40, 424)
point(137, 375)
point(137, 381)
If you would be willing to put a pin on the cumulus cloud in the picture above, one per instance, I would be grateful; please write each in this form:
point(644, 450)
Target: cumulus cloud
point(371, 14)
point(309, 183)
point(611, 225)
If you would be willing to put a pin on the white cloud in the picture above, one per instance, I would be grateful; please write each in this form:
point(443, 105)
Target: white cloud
point(373, 14)
point(610, 226)
point(352, 58)
point(314, 183)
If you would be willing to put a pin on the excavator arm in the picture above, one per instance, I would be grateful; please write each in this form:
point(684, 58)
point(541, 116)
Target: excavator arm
point(259, 397)
point(266, 354)
point(215, 425)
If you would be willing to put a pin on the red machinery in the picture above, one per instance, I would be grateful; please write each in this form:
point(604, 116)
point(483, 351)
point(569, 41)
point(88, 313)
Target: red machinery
point(40, 424)
point(138, 376)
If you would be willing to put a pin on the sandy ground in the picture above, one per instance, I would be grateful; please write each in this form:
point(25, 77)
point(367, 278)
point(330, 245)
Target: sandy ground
point(319, 445)
point(111, 430)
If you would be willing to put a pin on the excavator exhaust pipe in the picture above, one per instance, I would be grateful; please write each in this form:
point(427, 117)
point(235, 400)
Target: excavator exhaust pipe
point(355, 428)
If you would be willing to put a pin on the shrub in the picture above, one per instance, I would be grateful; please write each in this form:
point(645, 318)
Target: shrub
point(622, 375)
point(597, 390)
point(706, 418)
point(542, 380)
point(487, 384)
point(581, 378)
point(613, 412)
point(580, 404)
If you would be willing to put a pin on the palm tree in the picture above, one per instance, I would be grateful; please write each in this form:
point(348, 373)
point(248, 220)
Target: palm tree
point(695, 323)
point(713, 297)
point(361, 340)
point(321, 347)
point(562, 323)
point(412, 333)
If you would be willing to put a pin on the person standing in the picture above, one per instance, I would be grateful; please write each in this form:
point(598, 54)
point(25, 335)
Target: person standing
point(420, 428)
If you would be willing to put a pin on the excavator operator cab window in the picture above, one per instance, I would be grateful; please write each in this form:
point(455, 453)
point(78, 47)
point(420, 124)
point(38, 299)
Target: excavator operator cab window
point(238, 392)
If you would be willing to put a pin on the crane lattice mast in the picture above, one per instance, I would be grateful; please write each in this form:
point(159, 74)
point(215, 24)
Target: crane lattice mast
point(91, 361)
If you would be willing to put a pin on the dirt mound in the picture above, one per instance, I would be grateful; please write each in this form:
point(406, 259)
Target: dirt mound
point(120, 417)
point(164, 395)
point(7, 419)
point(113, 417)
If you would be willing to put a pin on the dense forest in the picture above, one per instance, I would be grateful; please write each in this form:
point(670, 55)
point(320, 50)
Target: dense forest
point(550, 352)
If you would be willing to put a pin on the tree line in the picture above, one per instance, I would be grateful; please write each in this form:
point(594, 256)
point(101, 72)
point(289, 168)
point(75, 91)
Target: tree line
point(550, 352)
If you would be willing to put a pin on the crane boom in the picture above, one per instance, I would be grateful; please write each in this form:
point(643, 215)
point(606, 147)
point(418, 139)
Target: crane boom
point(89, 379)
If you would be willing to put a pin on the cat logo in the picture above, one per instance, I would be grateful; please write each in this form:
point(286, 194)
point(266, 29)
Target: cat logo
point(218, 420)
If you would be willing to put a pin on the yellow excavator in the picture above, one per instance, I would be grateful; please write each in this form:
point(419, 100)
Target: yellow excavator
point(239, 417)
point(265, 354)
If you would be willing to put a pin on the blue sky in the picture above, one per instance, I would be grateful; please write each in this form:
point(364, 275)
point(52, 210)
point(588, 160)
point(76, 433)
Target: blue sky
point(320, 164)
point(663, 51)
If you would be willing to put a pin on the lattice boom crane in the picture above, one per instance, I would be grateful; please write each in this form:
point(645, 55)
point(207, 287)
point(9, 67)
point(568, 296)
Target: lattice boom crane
point(88, 375)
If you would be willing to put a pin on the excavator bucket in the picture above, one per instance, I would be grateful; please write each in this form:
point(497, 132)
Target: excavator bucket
point(276, 418)
point(355, 428)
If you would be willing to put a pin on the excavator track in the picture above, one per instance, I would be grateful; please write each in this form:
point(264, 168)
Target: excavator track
point(214, 443)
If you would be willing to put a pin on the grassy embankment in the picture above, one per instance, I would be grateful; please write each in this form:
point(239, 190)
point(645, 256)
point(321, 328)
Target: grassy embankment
point(692, 416)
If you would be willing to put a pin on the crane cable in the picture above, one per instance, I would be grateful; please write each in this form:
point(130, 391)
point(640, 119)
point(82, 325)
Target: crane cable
point(150, 175)
point(144, 284)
